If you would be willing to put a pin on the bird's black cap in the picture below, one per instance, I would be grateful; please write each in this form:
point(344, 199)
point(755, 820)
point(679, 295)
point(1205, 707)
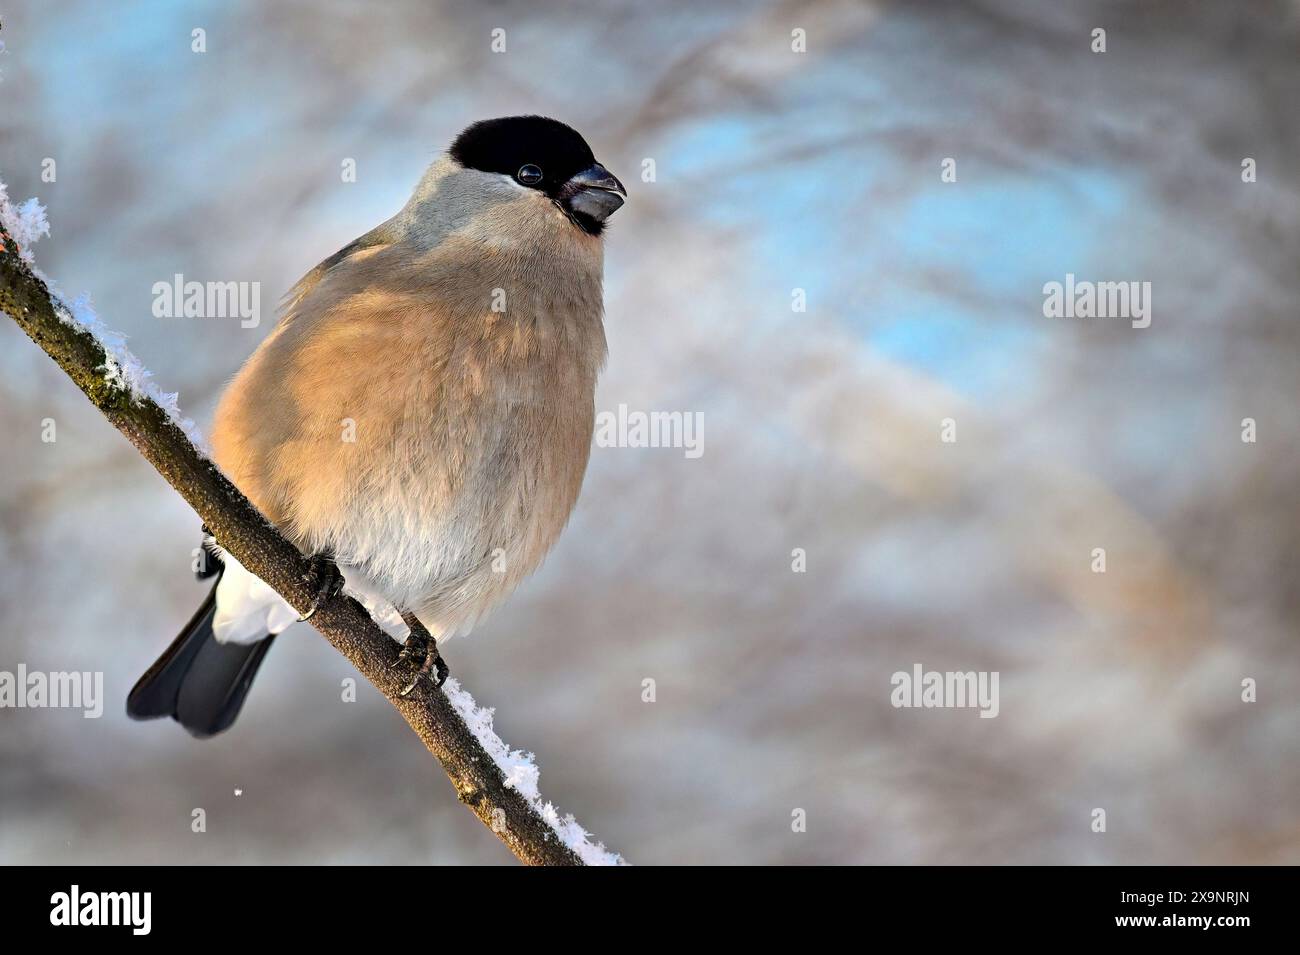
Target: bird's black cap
point(508, 144)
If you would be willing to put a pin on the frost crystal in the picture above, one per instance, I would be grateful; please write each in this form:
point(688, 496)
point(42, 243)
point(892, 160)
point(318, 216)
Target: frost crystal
point(521, 773)
point(26, 223)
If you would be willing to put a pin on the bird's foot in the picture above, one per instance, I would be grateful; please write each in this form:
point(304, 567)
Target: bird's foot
point(421, 646)
point(208, 563)
point(415, 647)
point(432, 662)
point(326, 581)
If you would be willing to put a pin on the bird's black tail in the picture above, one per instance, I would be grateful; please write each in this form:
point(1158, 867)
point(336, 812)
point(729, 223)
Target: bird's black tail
point(197, 681)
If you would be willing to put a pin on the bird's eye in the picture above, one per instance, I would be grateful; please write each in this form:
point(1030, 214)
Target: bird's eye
point(529, 175)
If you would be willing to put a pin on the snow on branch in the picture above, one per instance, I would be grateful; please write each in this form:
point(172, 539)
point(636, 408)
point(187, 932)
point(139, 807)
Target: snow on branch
point(500, 785)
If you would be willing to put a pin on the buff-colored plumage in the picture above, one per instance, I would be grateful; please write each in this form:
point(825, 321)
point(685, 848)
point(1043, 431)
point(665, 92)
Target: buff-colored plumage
point(424, 410)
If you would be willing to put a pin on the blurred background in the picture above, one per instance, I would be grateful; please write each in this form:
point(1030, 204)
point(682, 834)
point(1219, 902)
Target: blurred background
point(774, 171)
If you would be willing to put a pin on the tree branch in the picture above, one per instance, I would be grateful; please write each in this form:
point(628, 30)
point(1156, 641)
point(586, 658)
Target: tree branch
point(242, 530)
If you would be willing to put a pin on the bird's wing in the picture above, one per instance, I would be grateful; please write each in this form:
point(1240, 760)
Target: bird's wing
point(380, 235)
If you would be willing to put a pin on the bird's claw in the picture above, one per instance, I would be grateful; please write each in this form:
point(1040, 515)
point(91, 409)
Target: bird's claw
point(432, 661)
point(209, 563)
point(416, 647)
point(420, 645)
point(326, 581)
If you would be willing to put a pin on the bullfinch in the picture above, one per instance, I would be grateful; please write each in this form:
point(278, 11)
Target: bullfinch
point(419, 421)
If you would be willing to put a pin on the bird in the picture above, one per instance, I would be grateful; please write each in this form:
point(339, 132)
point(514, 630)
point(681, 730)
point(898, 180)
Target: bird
point(419, 421)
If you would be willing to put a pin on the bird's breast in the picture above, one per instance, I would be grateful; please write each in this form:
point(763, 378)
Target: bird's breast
point(425, 418)
point(462, 478)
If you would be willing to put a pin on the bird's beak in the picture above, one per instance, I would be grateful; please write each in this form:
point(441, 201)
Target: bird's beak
point(594, 192)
